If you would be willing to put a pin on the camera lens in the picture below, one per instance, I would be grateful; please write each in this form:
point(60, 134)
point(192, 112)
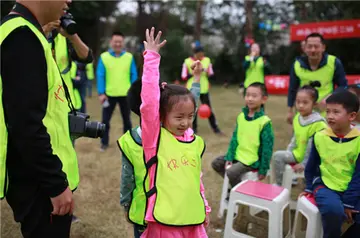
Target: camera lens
point(94, 129)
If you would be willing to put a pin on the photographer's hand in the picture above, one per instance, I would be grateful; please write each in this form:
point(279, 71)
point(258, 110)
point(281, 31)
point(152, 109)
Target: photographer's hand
point(50, 27)
point(63, 204)
point(79, 46)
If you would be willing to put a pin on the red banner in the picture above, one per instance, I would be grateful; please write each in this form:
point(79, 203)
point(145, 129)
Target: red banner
point(279, 84)
point(329, 29)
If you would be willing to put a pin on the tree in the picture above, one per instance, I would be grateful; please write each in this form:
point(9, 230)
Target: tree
point(87, 14)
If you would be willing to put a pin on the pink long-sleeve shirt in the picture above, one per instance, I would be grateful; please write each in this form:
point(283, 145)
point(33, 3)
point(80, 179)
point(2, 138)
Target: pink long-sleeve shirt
point(150, 121)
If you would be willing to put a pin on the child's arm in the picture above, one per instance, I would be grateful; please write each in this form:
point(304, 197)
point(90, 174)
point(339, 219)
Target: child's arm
point(127, 184)
point(267, 142)
point(352, 194)
point(150, 98)
point(307, 152)
point(150, 94)
point(195, 87)
point(292, 144)
point(202, 191)
point(312, 168)
point(230, 155)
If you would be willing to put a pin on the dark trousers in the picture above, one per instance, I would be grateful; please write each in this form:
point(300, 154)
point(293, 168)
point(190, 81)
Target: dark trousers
point(234, 173)
point(205, 99)
point(138, 230)
point(39, 223)
point(332, 210)
point(81, 87)
point(89, 88)
point(108, 111)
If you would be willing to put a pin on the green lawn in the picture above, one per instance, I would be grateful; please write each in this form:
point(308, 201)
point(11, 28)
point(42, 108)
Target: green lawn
point(97, 198)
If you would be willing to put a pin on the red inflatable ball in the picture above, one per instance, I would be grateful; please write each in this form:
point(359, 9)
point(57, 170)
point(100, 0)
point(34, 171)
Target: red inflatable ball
point(204, 111)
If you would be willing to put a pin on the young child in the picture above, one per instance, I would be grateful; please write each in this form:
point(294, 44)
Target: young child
point(355, 88)
point(176, 207)
point(252, 142)
point(132, 195)
point(332, 172)
point(305, 124)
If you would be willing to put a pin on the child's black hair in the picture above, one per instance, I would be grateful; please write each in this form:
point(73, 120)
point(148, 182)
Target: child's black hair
point(345, 98)
point(311, 89)
point(261, 86)
point(172, 94)
point(169, 96)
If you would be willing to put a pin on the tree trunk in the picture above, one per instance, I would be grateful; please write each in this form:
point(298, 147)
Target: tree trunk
point(197, 32)
point(249, 22)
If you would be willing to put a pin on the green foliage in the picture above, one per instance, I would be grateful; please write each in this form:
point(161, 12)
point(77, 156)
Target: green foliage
point(173, 56)
point(92, 10)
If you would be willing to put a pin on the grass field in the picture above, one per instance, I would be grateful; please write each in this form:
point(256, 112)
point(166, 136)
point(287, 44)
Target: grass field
point(97, 198)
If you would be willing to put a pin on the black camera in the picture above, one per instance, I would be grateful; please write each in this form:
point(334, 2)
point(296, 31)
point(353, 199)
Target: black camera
point(68, 24)
point(81, 126)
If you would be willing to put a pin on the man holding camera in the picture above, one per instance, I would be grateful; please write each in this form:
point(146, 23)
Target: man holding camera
point(67, 47)
point(38, 164)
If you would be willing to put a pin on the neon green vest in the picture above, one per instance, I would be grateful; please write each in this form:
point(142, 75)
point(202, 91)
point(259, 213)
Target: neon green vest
point(204, 81)
point(133, 152)
point(90, 71)
point(56, 118)
point(324, 75)
point(248, 136)
point(117, 82)
point(255, 72)
point(178, 198)
point(303, 134)
point(77, 98)
point(62, 60)
point(338, 160)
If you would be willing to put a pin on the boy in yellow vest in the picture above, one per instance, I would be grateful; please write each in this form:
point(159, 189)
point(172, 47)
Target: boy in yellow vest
point(252, 142)
point(332, 173)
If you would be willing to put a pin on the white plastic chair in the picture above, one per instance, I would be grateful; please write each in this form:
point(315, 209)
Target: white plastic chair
point(268, 197)
point(306, 207)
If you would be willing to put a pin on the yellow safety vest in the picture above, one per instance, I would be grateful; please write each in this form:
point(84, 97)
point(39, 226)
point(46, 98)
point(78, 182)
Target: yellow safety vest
point(248, 136)
point(133, 152)
point(338, 160)
point(90, 71)
point(177, 181)
point(77, 98)
point(204, 80)
point(255, 72)
point(324, 75)
point(62, 61)
point(56, 118)
point(303, 134)
point(117, 81)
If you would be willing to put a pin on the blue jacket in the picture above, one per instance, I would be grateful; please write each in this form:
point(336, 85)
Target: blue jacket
point(101, 72)
point(312, 171)
point(339, 78)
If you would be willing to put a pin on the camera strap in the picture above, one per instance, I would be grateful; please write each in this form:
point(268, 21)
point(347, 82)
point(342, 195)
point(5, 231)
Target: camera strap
point(67, 95)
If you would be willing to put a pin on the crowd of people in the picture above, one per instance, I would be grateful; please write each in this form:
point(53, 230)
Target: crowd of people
point(44, 76)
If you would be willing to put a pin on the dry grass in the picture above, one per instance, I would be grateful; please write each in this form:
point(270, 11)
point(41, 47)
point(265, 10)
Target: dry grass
point(97, 198)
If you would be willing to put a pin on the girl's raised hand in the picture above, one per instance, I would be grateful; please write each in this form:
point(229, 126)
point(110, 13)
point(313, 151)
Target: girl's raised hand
point(151, 43)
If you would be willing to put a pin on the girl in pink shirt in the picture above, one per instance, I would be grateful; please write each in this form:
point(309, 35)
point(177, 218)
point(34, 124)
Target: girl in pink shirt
point(170, 112)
